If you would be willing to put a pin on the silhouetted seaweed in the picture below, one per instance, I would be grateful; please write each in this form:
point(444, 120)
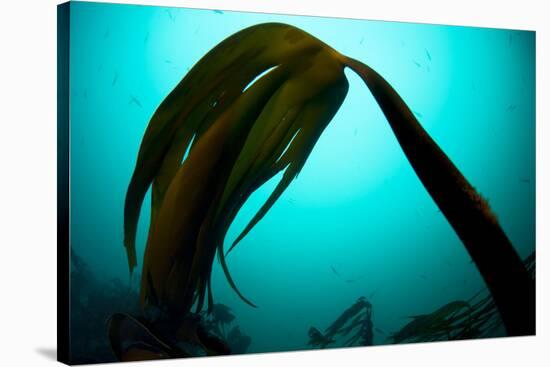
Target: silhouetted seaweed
point(237, 341)
point(218, 320)
point(221, 314)
point(317, 339)
point(355, 320)
point(434, 326)
point(137, 338)
point(476, 318)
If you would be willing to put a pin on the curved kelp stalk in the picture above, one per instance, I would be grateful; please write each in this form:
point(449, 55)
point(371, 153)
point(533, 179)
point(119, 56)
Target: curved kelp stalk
point(468, 213)
point(254, 106)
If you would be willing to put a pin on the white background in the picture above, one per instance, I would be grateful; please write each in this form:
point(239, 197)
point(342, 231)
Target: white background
point(28, 183)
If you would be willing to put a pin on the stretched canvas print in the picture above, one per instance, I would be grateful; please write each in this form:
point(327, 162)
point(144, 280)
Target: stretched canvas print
point(234, 182)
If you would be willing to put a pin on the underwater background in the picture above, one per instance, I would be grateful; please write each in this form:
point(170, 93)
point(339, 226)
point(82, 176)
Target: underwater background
point(356, 221)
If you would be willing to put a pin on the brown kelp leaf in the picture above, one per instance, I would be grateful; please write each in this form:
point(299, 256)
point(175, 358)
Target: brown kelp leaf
point(310, 123)
point(223, 167)
point(202, 95)
point(171, 250)
point(316, 114)
point(307, 82)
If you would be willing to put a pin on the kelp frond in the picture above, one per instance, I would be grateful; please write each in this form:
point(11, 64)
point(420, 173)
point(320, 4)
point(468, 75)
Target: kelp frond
point(242, 135)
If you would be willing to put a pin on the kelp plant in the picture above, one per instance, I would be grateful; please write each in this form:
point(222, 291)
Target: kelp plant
point(254, 106)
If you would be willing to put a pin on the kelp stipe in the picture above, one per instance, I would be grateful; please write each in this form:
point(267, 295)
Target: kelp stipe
point(240, 132)
point(468, 213)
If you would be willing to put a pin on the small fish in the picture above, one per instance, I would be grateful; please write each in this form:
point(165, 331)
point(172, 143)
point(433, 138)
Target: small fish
point(428, 54)
point(362, 39)
point(448, 263)
point(418, 114)
point(510, 38)
point(85, 94)
point(291, 200)
point(355, 132)
point(146, 38)
point(134, 100)
point(115, 79)
point(334, 271)
point(380, 331)
point(525, 180)
point(172, 17)
point(417, 63)
point(422, 276)
point(167, 61)
point(473, 86)
point(218, 11)
point(106, 34)
point(512, 107)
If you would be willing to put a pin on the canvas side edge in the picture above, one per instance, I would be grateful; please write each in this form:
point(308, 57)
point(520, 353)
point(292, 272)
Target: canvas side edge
point(63, 241)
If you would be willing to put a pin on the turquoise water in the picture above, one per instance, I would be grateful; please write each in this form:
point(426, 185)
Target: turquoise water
point(357, 206)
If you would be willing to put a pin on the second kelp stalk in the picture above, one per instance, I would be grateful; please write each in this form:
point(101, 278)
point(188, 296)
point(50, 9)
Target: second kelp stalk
point(253, 106)
point(468, 213)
